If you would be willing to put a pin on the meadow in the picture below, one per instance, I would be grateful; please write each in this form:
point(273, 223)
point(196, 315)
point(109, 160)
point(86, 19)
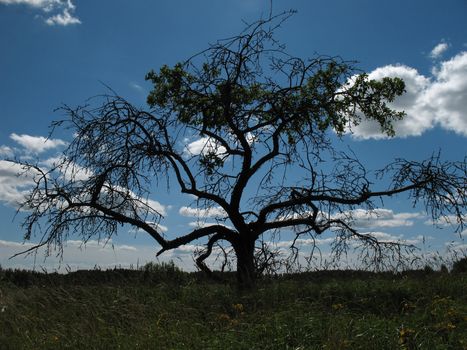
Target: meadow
point(161, 307)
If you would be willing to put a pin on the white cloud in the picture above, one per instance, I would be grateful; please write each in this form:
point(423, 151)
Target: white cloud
point(300, 242)
point(204, 145)
point(126, 201)
point(446, 221)
point(63, 10)
point(77, 255)
point(202, 224)
point(438, 50)
point(159, 227)
point(73, 172)
point(35, 3)
point(9, 244)
point(101, 254)
point(378, 218)
point(36, 144)
point(363, 219)
point(446, 98)
point(439, 100)
point(6, 151)
point(69, 171)
point(197, 147)
point(454, 246)
point(207, 145)
point(384, 237)
point(186, 249)
point(137, 87)
point(214, 212)
point(63, 19)
point(108, 254)
point(52, 161)
point(155, 225)
point(13, 187)
point(157, 206)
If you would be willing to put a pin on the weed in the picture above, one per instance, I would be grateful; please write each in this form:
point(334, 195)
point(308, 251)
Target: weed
point(160, 307)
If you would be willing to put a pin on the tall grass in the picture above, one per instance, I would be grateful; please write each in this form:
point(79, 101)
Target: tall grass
point(161, 307)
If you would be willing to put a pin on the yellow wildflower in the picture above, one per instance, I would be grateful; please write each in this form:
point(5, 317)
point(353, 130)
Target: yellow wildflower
point(224, 318)
point(337, 306)
point(406, 332)
point(238, 308)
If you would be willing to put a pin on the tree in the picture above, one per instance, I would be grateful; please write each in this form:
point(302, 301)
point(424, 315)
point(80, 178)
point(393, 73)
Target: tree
point(259, 113)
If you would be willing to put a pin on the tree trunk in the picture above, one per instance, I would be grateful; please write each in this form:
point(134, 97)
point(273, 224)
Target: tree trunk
point(246, 272)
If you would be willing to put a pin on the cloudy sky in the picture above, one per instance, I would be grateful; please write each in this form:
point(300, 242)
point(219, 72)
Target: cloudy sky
point(63, 51)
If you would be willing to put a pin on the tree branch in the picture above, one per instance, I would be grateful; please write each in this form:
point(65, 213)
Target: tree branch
point(196, 234)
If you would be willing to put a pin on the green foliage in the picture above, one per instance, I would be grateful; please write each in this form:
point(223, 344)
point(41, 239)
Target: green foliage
point(460, 266)
point(328, 97)
point(164, 271)
point(233, 91)
point(323, 310)
point(252, 75)
point(169, 86)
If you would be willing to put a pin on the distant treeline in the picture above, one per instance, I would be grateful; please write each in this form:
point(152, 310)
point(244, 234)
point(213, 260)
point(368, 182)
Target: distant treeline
point(169, 273)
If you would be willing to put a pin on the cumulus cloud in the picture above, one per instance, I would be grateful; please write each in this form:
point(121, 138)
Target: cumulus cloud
point(14, 187)
point(385, 237)
point(204, 145)
point(77, 255)
point(120, 195)
point(13, 183)
point(202, 224)
point(45, 4)
point(74, 172)
point(379, 218)
point(214, 212)
point(456, 246)
point(6, 151)
point(439, 100)
point(102, 254)
point(302, 242)
point(19, 245)
point(438, 50)
point(159, 227)
point(126, 201)
point(36, 144)
point(157, 206)
point(446, 221)
point(62, 19)
point(361, 219)
point(59, 12)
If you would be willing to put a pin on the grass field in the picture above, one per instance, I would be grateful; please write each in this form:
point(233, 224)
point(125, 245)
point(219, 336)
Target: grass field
point(164, 308)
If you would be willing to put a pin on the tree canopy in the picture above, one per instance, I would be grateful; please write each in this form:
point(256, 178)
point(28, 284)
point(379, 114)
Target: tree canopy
point(266, 123)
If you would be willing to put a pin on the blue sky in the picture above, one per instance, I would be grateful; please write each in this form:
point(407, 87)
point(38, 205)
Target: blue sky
point(56, 51)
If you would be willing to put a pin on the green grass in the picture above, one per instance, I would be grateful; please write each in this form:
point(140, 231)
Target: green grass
point(163, 308)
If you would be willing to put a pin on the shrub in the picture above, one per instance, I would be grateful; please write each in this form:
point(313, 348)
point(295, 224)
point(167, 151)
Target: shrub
point(428, 269)
point(163, 271)
point(460, 265)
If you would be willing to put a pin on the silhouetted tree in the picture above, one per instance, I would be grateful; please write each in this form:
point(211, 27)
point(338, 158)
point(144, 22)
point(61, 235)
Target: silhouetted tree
point(266, 121)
